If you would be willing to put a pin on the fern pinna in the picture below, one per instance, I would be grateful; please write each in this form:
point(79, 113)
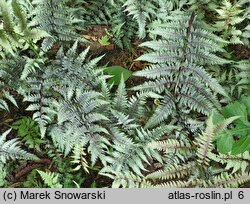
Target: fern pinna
point(180, 53)
point(11, 150)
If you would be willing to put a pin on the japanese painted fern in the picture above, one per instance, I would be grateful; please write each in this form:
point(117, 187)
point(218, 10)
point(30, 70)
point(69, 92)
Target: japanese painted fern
point(181, 51)
point(191, 164)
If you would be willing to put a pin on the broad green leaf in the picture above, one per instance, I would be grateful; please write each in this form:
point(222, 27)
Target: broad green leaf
point(117, 72)
point(217, 118)
point(225, 143)
point(236, 109)
point(241, 145)
point(246, 101)
point(241, 130)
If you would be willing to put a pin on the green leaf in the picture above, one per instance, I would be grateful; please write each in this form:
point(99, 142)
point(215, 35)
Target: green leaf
point(218, 118)
point(117, 72)
point(236, 109)
point(104, 40)
point(93, 185)
point(246, 101)
point(225, 143)
point(241, 145)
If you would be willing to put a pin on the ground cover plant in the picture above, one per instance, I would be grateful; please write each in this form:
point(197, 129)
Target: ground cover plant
point(124, 93)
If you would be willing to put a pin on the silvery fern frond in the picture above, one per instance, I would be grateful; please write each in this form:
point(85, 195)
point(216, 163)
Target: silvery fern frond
point(10, 150)
point(55, 18)
point(178, 57)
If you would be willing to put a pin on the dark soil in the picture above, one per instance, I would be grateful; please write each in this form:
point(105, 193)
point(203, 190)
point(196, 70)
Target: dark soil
point(242, 52)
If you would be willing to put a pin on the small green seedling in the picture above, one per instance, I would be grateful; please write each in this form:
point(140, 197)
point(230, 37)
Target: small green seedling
point(104, 40)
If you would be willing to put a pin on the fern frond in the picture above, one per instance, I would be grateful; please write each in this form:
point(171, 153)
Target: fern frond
point(10, 149)
point(72, 69)
point(156, 71)
point(234, 162)
point(8, 96)
point(201, 74)
point(50, 179)
point(171, 145)
point(158, 86)
point(179, 56)
point(132, 154)
point(176, 184)
point(16, 32)
point(141, 11)
point(120, 101)
point(41, 102)
point(55, 18)
point(125, 180)
point(175, 171)
point(18, 11)
point(226, 180)
point(204, 144)
point(190, 98)
point(65, 137)
point(78, 158)
point(244, 75)
point(166, 107)
point(8, 24)
point(79, 109)
point(136, 103)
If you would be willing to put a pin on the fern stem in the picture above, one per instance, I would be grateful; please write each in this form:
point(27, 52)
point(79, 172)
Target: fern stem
point(184, 50)
point(33, 48)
